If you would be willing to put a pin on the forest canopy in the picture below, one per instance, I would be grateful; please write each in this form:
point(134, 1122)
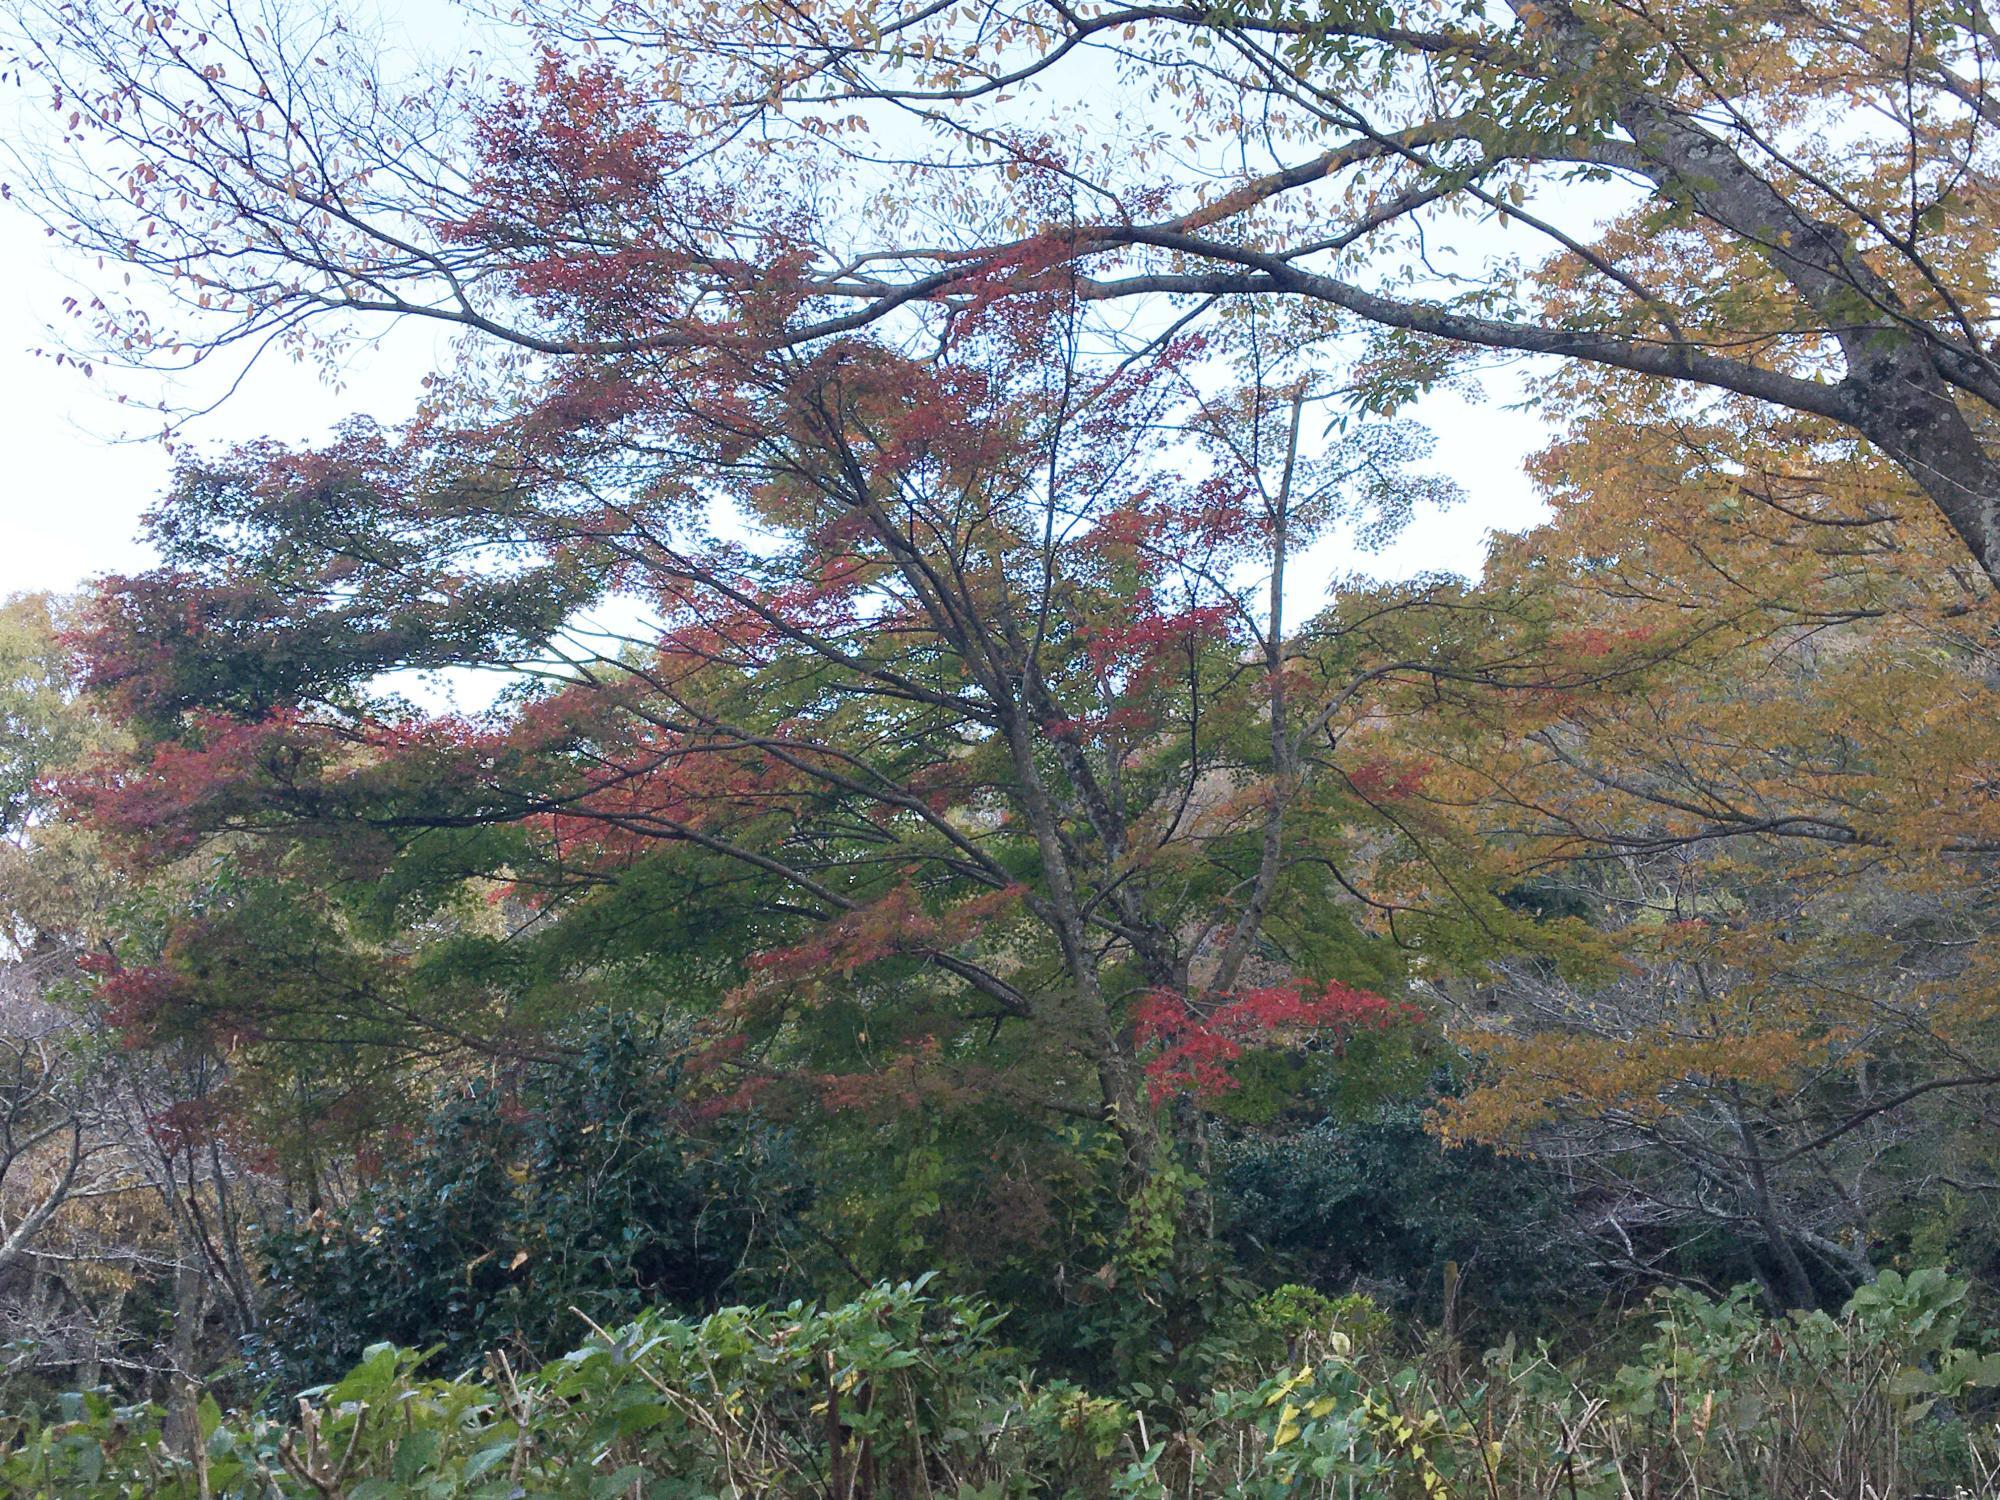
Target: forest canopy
point(849, 757)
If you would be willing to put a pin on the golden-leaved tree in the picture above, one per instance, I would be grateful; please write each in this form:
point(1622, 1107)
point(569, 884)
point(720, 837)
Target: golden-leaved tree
point(1762, 838)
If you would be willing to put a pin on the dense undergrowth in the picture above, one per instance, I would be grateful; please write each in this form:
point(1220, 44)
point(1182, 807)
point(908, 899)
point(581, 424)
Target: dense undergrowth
point(904, 1393)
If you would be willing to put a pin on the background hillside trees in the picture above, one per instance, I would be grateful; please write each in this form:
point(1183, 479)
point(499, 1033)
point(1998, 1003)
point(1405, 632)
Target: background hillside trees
point(123, 1197)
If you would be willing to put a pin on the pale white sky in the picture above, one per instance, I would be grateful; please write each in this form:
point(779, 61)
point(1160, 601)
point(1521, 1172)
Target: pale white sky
point(81, 469)
point(68, 498)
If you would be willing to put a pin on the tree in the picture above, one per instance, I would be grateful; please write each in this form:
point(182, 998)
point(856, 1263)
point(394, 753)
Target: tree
point(53, 889)
point(992, 757)
point(1789, 203)
point(1762, 843)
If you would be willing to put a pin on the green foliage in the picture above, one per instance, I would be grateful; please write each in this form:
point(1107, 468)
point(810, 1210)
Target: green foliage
point(1293, 1323)
point(901, 1393)
point(882, 1394)
point(1385, 1202)
point(572, 1189)
point(54, 884)
point(40, 729)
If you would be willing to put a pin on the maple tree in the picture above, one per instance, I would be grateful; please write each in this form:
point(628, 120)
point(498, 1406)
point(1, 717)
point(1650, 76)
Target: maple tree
point(938, 726)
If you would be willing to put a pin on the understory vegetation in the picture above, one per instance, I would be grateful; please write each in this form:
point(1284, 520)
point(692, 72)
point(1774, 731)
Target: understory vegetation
point(899, 1393)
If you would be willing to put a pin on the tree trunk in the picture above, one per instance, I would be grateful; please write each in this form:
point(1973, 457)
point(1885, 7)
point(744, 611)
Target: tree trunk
point(1795, 1285)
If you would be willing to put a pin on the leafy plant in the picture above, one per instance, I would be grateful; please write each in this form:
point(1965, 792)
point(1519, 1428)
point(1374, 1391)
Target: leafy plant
point(900, 1393)
point(574, 1188)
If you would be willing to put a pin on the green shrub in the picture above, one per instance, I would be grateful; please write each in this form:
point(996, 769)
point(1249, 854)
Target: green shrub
point(1383, 1202)
point(893, 1393)
point(577, 1187)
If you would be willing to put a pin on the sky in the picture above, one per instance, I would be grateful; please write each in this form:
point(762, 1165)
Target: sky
point(82, 469)
point(69, 498)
